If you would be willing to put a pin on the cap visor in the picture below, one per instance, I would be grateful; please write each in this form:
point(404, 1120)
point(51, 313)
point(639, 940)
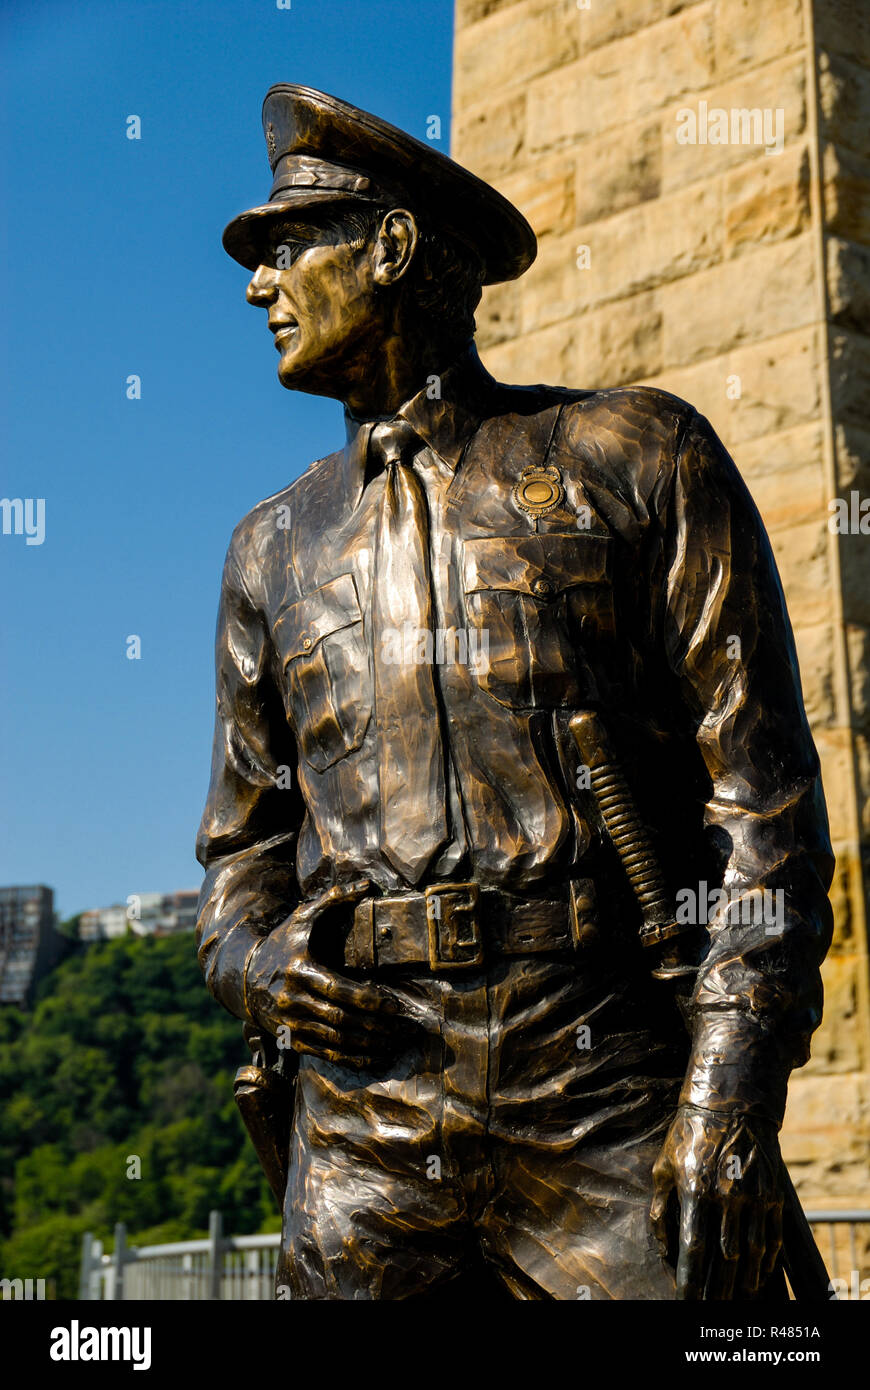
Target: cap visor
point(246, 238)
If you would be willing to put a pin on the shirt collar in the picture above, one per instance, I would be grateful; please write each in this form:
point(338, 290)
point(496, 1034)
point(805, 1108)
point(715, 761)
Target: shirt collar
point(445, 423)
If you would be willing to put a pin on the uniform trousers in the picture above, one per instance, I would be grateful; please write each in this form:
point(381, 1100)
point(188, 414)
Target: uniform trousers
point(520, 1128)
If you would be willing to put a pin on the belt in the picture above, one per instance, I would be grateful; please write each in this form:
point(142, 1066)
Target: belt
point(454, 925)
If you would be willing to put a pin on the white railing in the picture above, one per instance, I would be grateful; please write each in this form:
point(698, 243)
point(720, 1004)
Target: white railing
point(220, 1267)
point(243, 1267)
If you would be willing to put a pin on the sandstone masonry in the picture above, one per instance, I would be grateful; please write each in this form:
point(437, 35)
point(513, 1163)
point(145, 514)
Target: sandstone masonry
point(740, 280)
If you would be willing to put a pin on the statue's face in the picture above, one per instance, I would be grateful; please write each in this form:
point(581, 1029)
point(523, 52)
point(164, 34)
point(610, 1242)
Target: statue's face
point(322, 310)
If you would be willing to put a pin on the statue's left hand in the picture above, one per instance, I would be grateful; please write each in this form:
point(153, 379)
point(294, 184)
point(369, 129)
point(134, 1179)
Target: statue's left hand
point(724, 1170)
point(354, 1022)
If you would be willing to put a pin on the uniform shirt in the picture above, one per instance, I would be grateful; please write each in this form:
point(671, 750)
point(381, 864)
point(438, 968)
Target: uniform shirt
point(648, 592)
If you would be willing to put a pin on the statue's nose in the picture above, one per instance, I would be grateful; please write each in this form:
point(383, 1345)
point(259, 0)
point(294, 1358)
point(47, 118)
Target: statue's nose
point(261, 289)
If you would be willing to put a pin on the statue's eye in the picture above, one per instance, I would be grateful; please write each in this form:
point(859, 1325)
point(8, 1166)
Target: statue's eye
point(285, 252)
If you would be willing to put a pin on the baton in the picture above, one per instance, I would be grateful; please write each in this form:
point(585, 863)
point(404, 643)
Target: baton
point(633, 844)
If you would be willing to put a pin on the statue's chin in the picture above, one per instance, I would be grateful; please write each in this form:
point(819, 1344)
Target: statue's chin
point(298, 377)
point(291, 374)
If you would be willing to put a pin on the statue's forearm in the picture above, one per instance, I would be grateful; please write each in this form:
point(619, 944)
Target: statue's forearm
point(242, 900)
point(736, 1065)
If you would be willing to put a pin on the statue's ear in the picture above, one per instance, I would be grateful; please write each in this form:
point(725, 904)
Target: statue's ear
point(395, 245)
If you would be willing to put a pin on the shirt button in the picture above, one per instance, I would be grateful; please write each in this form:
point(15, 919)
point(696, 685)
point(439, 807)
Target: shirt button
point(306, 642)
point(542, 587)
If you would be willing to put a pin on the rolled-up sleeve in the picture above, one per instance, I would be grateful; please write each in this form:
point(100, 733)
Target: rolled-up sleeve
point(758, 993)
point(247, 837)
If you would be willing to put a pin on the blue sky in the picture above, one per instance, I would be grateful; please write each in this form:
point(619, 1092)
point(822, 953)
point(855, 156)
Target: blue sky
point(112, 265)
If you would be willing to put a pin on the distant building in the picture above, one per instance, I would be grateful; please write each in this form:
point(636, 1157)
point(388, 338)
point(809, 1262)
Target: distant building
point(143, 914)
point(180, 909)
point(30, 945)
point(101, 923)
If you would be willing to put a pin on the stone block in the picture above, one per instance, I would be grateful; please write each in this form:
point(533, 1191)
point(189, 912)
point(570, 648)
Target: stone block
point(850, 377)
point(818, 1105)
point(489, 138)
point(470, 11)
point(852, 448)
point(779, 381)
point(639, 74)
point(548, 356)
point(858, 646)
point(839, 1045)
point(846, 194)
point(803, 556)
point(824, 1137)
point(601, 24)
point(552, 291)
point(862, 761)
point(760, 295)
point(848, 269)
point(611, 348)
point(544, 193)
point(498, 316)
point(843, 26)
point(512, 45)
point(836, 752)
point(630, 253)
point(779, 86)
point(815, 652)
point(657, 241)
point(627, 344)
point(854, 549)
point(845, 895)
point(749, 33)
point(618, 169)
point(785, 473)
point(766, 200)
point(844, 100)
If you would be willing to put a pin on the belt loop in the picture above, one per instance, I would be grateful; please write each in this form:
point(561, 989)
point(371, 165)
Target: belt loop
point(361, 955)
point(584, 915)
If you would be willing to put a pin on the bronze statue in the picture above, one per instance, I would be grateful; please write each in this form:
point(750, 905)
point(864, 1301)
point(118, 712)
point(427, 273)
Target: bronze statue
point(516, 853)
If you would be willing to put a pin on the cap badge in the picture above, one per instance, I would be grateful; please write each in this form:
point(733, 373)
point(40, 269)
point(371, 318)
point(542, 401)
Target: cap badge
point(539, 490)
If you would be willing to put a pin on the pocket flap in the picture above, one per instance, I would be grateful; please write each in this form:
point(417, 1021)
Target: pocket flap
point(542, 565)
point(305, 623)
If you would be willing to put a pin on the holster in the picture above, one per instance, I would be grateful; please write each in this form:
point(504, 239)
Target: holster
point(264, 1091)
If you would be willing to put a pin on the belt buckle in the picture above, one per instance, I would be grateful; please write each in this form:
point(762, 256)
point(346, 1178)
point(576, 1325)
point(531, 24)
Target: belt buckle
point(454, 927)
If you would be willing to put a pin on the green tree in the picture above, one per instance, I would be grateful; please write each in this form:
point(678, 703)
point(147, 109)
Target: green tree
point(116, 1105)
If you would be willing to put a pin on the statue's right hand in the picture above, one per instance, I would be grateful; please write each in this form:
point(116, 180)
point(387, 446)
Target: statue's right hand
point(329, 1015)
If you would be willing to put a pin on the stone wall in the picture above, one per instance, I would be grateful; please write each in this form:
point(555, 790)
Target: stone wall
point(739, 280)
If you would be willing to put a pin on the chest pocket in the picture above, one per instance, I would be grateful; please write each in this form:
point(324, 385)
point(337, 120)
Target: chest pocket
point(325, 665)
point(533, 600)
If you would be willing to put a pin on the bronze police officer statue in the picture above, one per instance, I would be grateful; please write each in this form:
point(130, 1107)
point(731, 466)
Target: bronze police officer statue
point(515, 842)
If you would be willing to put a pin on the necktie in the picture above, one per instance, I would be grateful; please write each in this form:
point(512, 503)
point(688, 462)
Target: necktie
point(410, 753)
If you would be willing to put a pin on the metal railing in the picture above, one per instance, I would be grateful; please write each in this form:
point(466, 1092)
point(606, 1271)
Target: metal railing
point(843, 1238)
point(243, 1267)
point(220, 1267)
